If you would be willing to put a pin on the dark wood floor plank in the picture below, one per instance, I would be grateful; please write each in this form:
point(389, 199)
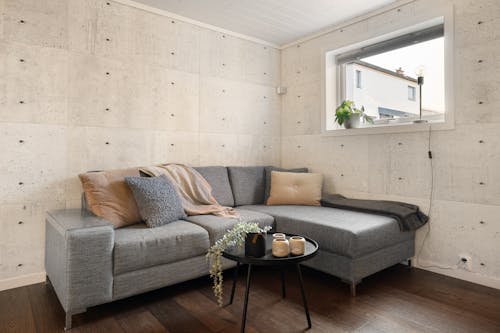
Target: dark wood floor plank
point(102, 325)
point(205, 309)
point(47, 312)
point(15, 312)
point(176, 318)
point(142, 321)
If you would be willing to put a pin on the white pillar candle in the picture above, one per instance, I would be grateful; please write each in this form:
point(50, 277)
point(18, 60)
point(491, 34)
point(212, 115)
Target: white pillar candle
point(297, 245)
point(280, 247)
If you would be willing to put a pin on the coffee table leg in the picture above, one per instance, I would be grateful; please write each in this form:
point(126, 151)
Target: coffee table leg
point(244, 319)
point(283, 290)
point(309, 325)
point(235, 278)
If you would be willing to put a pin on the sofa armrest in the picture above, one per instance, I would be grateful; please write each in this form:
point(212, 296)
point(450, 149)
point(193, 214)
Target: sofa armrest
point(79, 258)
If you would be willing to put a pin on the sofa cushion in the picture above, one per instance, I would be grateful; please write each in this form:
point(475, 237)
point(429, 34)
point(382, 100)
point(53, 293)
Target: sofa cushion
point(270, 169)
point(108, 196)
point(138, 247)
point(157, 199)
point(248, 184)
point(343, 232)
point(292, 188)
point(217, 226)
point(218, 178)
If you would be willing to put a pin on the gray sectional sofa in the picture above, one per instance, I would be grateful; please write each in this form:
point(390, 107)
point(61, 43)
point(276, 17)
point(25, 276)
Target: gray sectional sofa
point(90, 263)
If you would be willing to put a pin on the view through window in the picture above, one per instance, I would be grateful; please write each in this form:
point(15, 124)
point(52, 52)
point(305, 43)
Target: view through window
point(390, 90)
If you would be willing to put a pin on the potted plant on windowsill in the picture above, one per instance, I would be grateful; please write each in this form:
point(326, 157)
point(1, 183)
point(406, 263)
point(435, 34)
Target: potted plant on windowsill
point(348, 115)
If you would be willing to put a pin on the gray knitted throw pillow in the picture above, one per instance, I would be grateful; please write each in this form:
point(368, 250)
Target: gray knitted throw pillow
point(157, 200)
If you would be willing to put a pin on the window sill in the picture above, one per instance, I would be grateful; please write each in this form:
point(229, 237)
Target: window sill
point(391, 128)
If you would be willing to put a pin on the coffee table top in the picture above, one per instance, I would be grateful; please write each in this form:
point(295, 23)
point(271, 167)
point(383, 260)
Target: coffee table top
point(238, 254)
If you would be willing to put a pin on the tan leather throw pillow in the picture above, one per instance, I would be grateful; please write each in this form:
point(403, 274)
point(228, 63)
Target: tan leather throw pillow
point(108, 196)
point(290, 188)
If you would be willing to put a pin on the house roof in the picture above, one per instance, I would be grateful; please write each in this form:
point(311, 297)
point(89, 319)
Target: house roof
point(384, 70)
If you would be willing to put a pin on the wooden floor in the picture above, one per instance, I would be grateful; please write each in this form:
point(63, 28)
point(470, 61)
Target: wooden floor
point(398, 299)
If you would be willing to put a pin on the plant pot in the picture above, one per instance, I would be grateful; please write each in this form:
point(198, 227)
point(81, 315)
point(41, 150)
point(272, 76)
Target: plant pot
point(354, 121)
point(255, 245)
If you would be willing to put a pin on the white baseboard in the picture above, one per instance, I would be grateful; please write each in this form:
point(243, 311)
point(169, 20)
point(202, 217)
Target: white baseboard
point(459, 273)
point(23, 280)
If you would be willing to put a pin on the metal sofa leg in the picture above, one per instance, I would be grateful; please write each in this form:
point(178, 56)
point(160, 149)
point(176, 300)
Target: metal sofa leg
point(352, 286)
point(67, 325)
point(353, 289)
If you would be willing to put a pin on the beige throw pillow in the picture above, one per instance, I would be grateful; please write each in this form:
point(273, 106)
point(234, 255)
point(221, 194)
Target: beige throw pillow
point(290, 188)
point(108, 196)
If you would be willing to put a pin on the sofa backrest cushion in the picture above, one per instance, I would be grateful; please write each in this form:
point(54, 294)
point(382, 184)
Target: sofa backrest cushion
point(218, 178)
point(109, 197)
point(248, 184)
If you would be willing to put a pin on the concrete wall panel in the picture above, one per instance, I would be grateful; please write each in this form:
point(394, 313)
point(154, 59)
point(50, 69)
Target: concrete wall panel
point(34, 22)
point(33, 83)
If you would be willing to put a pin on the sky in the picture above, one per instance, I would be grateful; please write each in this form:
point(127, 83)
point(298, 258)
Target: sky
point(428, 55)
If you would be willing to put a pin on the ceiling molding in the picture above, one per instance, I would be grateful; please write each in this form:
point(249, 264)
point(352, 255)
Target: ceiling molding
point(347, 23)
point(162, 12)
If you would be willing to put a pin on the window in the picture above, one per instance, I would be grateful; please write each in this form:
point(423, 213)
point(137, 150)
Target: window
point(358, 79)
point(393, 70)
point(412, 93)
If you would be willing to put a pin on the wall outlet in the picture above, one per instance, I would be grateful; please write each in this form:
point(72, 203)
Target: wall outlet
point(465, 261)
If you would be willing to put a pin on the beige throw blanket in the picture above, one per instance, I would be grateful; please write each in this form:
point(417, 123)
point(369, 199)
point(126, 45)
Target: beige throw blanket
point(195, 191)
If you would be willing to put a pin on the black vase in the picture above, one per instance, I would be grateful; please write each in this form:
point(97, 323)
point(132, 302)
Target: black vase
point(255, 245)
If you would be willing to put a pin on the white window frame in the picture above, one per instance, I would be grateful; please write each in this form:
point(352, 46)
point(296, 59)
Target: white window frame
point(331, 95)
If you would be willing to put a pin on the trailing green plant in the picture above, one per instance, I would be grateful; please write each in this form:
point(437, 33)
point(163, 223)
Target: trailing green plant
point(232, 238)
point(346, 109)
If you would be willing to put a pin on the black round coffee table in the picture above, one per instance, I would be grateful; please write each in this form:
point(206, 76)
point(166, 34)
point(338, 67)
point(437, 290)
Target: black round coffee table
point(238, 255)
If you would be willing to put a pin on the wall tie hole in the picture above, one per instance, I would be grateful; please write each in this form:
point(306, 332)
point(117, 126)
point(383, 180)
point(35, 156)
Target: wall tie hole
point(20, 222)
point(21, 60)
point(171, 145)
point(480, 22)
point(482, 222)
point(481, 141)
point(480, 102)
point(172, 21)
point(172, 83)
point(21, 102)
point(107, 142)
point(21, 183)
point(481, 183)
point(19, 265)
point(107, 73)
point(21, 141)
point(172, 115)
point(22, 21)
point(223, 146)
point(172, 53)
point(480, 61)
point(108, 39)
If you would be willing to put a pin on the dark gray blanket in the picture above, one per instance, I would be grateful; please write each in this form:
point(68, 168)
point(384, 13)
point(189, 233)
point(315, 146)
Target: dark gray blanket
point(409, 216)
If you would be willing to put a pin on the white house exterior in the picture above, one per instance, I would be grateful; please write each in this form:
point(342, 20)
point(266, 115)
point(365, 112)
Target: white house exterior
point(383, 93)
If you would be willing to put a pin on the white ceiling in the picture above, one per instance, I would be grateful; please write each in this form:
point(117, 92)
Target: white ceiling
point(276, 21)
